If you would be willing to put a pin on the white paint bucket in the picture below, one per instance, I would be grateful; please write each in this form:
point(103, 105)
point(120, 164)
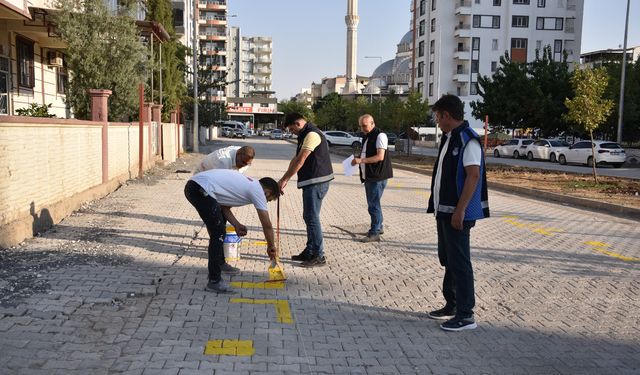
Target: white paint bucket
point(231, 244)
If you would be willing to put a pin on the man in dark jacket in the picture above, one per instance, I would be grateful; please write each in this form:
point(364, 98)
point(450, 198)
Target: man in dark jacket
point(312, 164)
point(458, 199)
point(375, 170)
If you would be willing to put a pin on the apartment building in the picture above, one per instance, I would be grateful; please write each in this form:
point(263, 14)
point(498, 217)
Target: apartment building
point(458, 40)
point(595, 59)
point(249, 64)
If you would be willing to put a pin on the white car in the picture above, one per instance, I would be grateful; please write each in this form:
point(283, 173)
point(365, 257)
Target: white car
point(606, 153)
point(226, 132)
point(546, 149)
point(340, 138)
point(276, 134)
point(514, 147)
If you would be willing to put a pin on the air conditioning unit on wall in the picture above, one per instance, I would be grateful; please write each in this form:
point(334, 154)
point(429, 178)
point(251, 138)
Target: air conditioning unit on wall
point(55, 58)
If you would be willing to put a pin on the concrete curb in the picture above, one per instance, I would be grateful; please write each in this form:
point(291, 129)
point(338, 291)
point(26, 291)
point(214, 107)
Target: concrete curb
point(603, 207)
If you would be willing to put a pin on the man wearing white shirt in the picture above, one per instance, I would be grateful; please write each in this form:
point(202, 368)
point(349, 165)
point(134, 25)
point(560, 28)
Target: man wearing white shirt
point(231, 157)
point(375, 170)
point(213, 193)
point(458, 198)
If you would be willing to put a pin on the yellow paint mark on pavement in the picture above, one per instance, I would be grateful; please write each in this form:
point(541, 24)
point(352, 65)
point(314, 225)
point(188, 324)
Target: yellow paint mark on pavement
point(259, 285)
point(282, 307)
point(597, 244)
point(534, 227)
point(258, 243)
point(230, 347)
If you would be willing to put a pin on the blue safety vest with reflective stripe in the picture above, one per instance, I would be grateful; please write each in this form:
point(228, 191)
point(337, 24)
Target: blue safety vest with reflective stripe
point(453, 176)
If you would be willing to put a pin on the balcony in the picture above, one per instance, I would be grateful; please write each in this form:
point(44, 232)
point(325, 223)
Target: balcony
point(262, 60)
point(463, 7)
point(214, 52)
point(262, 70)
point(461, 54)
point(462, 31)
point(213, 5)
point(213, 21)
point(461, 76)
point(218, 68)
point(213, 37)
point(261, 50)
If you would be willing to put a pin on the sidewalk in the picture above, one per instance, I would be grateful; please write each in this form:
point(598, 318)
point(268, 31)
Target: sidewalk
point(118, 287)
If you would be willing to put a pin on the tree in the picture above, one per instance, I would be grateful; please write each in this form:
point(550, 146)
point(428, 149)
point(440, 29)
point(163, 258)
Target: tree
point(506, 97)
point(210, 82)
point(357, 108)
point(173, 64)
point(631, 115)
point(95, 40)
point(331, 112)
point(290, 106)
point(588, 107)
point(416, 110)
point(551, 82)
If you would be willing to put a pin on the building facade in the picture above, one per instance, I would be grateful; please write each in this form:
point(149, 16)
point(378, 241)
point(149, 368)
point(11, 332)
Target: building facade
point(249, 64)
point(595, 59)
point(456, 41)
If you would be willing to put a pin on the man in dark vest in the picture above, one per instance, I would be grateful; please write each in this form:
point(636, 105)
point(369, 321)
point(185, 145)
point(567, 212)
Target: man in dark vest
point(458, 199)
point(375, 170)
point(312, 164)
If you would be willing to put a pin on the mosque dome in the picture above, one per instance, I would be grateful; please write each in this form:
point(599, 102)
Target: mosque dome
point(407, 38)
point(385, 69)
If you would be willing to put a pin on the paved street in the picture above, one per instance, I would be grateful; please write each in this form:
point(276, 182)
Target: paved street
point(604, 170)
point(118, 288)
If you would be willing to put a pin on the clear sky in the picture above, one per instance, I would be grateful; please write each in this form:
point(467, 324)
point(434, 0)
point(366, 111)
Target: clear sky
point(309, 36)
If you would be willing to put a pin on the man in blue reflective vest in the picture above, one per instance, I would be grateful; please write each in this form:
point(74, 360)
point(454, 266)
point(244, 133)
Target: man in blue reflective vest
point(458, 199)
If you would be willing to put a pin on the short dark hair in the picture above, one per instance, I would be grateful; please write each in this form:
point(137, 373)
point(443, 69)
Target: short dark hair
point(292, 117)
point(248, 151)
point(271, 184)
point(451, 104)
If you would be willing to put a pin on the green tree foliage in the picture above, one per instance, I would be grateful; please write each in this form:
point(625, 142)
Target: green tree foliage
point(173, 59)
point(290, 106)
point(631, 115)
point(588, 107)
point(357, 108)
point(416, 110)
point(36, 110)
point(103, 52)
point(525, 95)
point(331, 112)
point(210, 81)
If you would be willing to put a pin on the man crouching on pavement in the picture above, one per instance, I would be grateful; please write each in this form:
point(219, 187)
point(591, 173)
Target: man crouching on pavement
point(213, 193)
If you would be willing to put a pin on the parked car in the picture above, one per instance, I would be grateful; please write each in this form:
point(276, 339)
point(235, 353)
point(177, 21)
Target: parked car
point(240, 133)
point(226, 132)
point(337, 137)
point(392, 138)
point(264, 132)
point(606, 153)
point(514, 147)
point(276, 134)
point(235, 126)
point(546, 149)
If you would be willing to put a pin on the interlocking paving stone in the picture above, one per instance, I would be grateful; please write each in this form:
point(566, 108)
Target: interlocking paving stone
point(548, 302)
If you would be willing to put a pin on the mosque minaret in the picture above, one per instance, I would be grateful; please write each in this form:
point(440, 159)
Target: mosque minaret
point(351, 19)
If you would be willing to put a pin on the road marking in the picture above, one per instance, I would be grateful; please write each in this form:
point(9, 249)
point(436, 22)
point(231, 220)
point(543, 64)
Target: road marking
point(259, 285)
point(282, 307)
point(258, 243)
point(534, 227)
point(602, 248)
point(229, 347)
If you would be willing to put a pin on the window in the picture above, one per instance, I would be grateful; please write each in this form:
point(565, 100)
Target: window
point(549, 23)
point(477, 1)
point(431, 68)
point(62, 79)
point(494, 44)
point(474, 88)
point(486, 22)
point(518, 43)
point(475, 64)
point(421, 48)
point(475, 44)
point(542, 3)
point(557, 46)
point(421, 69)
point(520, 21)
point(264, 105)
point(421, 87)
point(423, 5)
point(26, 74)
point(521, 2)
point(431, 89)
point(433, 4)
point(433, 24)
point(519, 50)
point(497, 3)
point(421, 28)
point(432, 47)
point(459, 69)
point(494, 66)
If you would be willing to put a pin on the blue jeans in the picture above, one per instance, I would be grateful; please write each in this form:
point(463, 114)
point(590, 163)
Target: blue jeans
point(455, 257)
point(312, 196)
point(374, 192)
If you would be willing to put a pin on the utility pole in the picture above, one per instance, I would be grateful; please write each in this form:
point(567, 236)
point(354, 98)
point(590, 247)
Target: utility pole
point(196, 138)
point(622, 75)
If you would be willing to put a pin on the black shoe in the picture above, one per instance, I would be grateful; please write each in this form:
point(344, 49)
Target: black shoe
point(302, 257)
point(459, 324)
point(219, 287)
point(229, 269)
point(370, 238)
point(444, 313)
point(316, 261)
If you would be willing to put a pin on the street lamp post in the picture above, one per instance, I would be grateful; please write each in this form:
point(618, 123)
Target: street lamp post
point(622, 75)
point(196, 17)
